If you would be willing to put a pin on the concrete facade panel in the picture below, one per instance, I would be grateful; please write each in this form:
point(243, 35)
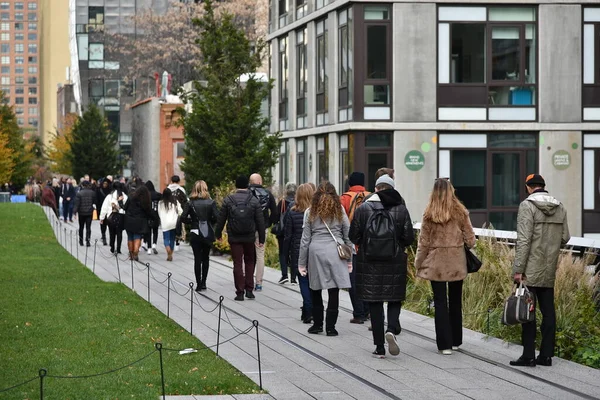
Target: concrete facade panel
point(565, 184)
point(415, 186)
point(414, 72)
point(560, 74)
point(146, 142)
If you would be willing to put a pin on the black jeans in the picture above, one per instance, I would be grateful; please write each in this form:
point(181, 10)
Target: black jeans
point(377, 317)
point(103, 226)
point(360, 309)
point(152, 236)
point(316, 297)
point(447, 299)
point(545, 303)
point(85, 220)
point(201, 258)
point(115, 233)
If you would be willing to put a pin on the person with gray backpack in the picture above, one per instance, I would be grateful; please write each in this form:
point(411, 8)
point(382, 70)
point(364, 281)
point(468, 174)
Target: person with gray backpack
point(244, 217)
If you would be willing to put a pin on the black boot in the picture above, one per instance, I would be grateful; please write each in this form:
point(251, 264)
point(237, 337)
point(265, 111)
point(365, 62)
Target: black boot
point(104, 241)
point(303, 315)
point(330, 321)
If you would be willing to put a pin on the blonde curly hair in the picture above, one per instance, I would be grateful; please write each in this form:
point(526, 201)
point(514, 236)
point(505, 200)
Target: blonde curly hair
point(326, 204)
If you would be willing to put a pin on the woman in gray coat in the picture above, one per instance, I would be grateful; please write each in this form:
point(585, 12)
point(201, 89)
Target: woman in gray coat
point(318, 254)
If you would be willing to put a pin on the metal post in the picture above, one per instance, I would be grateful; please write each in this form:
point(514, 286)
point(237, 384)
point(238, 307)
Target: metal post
point(158, 347)
point(71, 241)
point(132, 284)
point(255, 323)
point(64, 244)
point(95, 247)
point(77, 247)
point(168, 293)
point(118, 269)
point(42, 373)
point(86, 251)
point(219, 324)
point(191, 308)
point(148, 271)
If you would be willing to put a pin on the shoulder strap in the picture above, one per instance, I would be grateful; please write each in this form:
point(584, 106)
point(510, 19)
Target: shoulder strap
point(353, 204)
point(331, 233)
point(194, 208)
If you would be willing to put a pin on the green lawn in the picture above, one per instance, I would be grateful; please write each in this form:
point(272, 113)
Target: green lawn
point(56, 314)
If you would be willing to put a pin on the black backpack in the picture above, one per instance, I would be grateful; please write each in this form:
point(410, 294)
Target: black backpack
point(180, 196)
point(380, 242)
point(263, 199)
point(241, 217)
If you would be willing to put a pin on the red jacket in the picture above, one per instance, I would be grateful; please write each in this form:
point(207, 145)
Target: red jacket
point(346, 198)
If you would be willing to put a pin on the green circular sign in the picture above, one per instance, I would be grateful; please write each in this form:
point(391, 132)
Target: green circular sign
point(414, 160)
point(561, 159)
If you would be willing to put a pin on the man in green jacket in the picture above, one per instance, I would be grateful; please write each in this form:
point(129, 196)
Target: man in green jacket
point(542, 229)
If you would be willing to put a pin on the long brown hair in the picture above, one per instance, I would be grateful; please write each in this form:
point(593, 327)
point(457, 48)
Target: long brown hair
point(304, 195)
point(200, 191)
point(443, 204)
point(326, 204)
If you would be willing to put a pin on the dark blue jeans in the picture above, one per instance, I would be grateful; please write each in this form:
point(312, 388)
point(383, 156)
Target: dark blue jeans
point(360, 308)
point(284, 262)
point(305, 292)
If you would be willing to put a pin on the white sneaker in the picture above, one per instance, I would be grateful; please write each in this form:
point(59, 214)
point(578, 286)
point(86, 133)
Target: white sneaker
point(149, 251)
point(455, 348)
point(446, 352)
point(176, 248)
point(392, 343)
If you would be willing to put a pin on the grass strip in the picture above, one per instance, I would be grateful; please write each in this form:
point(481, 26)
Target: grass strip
point(56, 314)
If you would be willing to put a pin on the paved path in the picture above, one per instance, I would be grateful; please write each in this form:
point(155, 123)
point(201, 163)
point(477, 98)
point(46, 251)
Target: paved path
point(297, 365)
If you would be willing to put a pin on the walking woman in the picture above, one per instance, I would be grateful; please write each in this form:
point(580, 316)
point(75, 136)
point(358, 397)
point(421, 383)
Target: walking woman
point(169, 210)
point(138, 210)
point(101, 193)
point(152, 236)
point(204, 213)
point(283, 206)
point(114, 204)
point(326, 224)
point(441, 259)
point(293, 226)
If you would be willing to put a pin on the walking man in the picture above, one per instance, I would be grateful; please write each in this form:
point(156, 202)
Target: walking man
point(84, 208)
point(244, 217)
point(268, 205)
point(382, 229)
point(68, 195)
point(542, 229)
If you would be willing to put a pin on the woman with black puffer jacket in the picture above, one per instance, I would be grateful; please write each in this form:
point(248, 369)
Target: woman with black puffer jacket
point(293, 227)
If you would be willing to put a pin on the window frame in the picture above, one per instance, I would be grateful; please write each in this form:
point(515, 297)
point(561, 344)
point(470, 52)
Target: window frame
point(283, 95)
point(301, 159)
point(346, 88)
point(301, 77)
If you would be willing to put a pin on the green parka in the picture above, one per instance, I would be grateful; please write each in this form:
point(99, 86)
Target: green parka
point(542, 229)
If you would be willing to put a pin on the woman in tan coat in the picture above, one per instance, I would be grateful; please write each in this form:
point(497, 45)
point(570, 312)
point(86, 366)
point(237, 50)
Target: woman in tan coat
point(441, 259)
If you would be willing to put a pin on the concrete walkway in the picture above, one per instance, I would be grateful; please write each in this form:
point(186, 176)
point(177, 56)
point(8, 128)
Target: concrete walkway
point(298, 365)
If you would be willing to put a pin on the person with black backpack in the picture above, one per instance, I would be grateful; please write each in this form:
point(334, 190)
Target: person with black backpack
point(268, 205)
point(181, 196)
point(244, 217)
point(382, 229)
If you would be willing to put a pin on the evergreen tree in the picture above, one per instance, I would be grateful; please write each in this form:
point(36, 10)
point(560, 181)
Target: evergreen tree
point(94, 149)
point(21, 157)
point(226, 134)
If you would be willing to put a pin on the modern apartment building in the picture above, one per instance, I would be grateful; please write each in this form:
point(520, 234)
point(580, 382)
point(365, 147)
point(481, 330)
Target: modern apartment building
point(19, 73)
point(483, 93)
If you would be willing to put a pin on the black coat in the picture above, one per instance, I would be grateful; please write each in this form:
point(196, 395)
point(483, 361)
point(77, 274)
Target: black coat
point(206, 210)
point(382, 280)
point(84, 202)
point(136, 218)
point(240, 196)
point(292, 236)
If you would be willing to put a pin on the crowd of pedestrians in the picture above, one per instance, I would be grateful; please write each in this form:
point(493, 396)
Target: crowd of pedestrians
point(327, 242)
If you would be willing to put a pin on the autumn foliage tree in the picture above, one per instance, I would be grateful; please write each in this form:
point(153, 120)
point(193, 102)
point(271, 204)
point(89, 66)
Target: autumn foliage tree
point(6, 159)
point(226, 134)
point(21, 157)
point(59, 152)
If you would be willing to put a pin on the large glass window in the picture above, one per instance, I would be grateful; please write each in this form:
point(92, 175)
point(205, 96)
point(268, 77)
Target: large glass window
point(345, 65)
point(301, 157)
point(301, 78)
point(591, 64)
point(487, 58)
point(283, 11)
point(301, 8)
point(487, 171)
point(322, 79)
point(283, 164)
point(283, 83)
point(346, 160)
point(322, 159)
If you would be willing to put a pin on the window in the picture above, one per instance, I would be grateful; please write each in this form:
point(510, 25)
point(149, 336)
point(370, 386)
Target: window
point(19, 90)
point(20, 121)
point(32, 26)
point(33, 100)
point(19, 70)
point(5, 60)
point(96, 19)
point(322, 159)
point(18, 16)
point(283, 83)
point(96, 51)
point(283, 163)
point(5, 90)
point(19, 36)
point(5, 37)
point(19, 5)
point(111, 88)
point(487, 58)
point(4, 5)
point(5, 80)
point(19, 100)
point(19, 110)
point(19, 80)
point(32, 36)
point(32, 6)
point(96, 88)
point(591, 67)
point(33, 121)
point(32, 48)
point(301, 8)
point(5, 70)
point(487, 172)
point(5, 48)
point(301, 78)
point(283, 10)
point(32, 16)
point(33, 111)
point(32, 59)
point(5, 26)
point(346, 159)
point(346, 60)
point(322, 81)
point(301, 158)
point(32, 80)
point(19, 26)
point(19, 60)
point(32, 70)
point(4, 16)
point(19, 48)
point(32, 91)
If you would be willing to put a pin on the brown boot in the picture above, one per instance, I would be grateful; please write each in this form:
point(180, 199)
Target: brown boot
point(169, 253)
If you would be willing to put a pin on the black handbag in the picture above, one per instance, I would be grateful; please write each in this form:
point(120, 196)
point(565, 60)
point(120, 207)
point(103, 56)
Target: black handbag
point(473, 263)
point(277, 229)
point(519, 308)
